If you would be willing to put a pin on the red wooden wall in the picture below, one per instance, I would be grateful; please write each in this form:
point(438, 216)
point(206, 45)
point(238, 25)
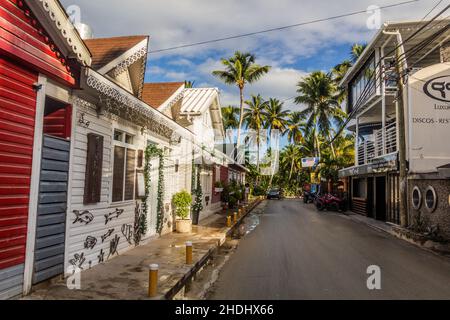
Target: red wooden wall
point(17, 117)
point(216, 196)
point(21, 37)
point(59, 123)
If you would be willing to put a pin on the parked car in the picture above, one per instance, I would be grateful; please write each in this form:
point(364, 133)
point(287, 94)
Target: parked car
point(274, 194)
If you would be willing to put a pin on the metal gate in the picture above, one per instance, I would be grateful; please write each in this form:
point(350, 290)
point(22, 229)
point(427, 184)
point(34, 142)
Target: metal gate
point(51, 213)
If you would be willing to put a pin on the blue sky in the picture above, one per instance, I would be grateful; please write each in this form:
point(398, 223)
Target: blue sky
point(292, 53)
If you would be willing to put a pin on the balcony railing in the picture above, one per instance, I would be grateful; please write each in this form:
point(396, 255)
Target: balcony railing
point(371, 149)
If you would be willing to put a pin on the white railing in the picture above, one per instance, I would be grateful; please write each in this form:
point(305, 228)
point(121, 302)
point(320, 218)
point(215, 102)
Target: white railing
point(371, 149)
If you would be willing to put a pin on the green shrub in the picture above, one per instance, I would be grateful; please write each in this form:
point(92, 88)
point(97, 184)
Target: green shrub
point(182, 202)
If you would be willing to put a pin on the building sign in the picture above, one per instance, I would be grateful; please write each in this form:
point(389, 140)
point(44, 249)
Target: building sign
point(379, 165)
point(310, 162)
point(429, 118)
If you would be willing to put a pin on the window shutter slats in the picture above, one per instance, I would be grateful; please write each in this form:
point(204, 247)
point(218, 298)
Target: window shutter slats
point(94, 168)
point(129, 182)
point(118, 173)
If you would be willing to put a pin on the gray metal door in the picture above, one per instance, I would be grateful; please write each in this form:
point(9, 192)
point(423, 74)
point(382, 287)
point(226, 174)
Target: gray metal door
point(51, 214)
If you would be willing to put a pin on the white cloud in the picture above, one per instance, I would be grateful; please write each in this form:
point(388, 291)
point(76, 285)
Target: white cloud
point(173, 22)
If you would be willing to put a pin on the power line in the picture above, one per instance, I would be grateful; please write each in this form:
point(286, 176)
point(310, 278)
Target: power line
point(414, 49)
point(278, 28)
point(437, 4)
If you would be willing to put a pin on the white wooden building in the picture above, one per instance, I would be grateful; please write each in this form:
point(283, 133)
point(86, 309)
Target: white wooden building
point(112, 127)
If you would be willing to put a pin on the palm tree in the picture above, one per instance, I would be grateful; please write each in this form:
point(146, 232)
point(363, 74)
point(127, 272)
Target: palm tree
point(291, 155)
point(318, 93)
point(230, 120)
point(339, 72)
point(356, 51)
point(240, 70)
point(294, 128)
point(189, 84)
point(255, 117)
point(276, 115)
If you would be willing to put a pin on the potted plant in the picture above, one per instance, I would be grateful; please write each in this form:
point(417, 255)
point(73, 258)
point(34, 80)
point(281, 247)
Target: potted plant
point(182, 202)
point(218, 187)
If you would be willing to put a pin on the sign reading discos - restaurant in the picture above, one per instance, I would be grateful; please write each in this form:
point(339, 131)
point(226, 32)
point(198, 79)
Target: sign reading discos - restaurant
point(429, 118)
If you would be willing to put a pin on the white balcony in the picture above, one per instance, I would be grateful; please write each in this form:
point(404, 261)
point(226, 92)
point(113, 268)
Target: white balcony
point(384, 142)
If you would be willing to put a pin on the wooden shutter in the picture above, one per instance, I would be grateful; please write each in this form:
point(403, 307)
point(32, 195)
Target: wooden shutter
point(140, 161)
point(131, 167)
point(118, 173)
point(94, 167)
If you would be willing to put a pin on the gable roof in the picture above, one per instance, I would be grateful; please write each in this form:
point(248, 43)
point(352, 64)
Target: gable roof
point(104, 50)
point(156, 94)
point(57, 24)
point(198, 100)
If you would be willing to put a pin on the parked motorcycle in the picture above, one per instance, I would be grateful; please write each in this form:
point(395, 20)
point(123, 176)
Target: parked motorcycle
point(330, 202)
point(310, 197)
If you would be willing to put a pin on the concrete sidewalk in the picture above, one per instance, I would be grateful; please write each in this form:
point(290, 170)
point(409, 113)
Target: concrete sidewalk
point(126, 277)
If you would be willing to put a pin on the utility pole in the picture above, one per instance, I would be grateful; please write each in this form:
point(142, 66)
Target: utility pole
point(400, 106)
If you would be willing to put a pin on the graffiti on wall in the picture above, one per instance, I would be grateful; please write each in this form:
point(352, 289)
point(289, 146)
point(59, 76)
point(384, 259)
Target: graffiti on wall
point(83, 217)
point(107, 234)
point(78, 260)
point(127, 231)
point(90, 242)
point(113, 215)
point(113, 245)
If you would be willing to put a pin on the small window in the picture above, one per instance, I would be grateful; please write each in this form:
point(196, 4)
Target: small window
point(129, 139)
point(177, 165)
point(118, 135)
point(416, 198)
point(430, 199)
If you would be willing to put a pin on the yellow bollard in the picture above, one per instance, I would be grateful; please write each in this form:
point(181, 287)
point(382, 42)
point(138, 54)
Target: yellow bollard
point(229, 221)
point(189, 252)
point(235, 217)
point(153, 280)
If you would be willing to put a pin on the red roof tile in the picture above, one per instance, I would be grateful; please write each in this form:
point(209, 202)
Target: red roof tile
point(155, 94)
point(104, 50)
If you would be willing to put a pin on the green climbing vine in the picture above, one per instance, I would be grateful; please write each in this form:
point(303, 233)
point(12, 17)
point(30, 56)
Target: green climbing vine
point(151, 152)
point(198, 193)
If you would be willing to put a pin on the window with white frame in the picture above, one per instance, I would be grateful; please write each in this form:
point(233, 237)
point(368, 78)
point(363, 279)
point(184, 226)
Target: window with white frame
point(124, 167)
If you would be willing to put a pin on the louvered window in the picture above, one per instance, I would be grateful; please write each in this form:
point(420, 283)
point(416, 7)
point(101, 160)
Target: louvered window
point(124, 167)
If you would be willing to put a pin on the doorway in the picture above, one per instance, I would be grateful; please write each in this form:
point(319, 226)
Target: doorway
point(370, 197)
point(380, 201)
point(53, 187)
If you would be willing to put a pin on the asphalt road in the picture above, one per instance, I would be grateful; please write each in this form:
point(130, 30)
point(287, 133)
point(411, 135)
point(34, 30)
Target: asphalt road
point(299, 253)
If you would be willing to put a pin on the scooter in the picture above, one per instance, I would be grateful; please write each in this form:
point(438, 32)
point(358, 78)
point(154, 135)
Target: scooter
point(330, 202)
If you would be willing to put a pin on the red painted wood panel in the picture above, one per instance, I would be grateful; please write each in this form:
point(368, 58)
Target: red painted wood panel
point(59, 123)
point(22, 37)
point(17, 116)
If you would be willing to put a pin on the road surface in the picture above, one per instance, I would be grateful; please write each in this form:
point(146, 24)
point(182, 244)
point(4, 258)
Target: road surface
point(299, 253)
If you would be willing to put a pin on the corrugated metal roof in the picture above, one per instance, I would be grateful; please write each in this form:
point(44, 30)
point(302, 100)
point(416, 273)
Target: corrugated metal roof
point(197, 100)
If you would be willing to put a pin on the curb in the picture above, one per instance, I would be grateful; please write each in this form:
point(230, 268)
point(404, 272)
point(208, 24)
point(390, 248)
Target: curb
point(396, 234)
point(169, 295)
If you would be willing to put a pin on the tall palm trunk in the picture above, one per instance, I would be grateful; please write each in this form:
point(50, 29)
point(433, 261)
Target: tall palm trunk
point(241, 115)
point(333, 151)
point(292, 169)
point(257, 157)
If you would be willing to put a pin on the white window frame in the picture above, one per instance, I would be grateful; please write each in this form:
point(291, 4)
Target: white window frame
point(127, 146)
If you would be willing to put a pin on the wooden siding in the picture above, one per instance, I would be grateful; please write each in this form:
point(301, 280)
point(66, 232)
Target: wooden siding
point(21, 38)
point(17, 116)
point(58, 123)
point(79, 232)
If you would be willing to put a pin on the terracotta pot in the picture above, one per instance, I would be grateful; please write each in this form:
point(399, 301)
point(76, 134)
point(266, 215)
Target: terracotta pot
point(183, 226)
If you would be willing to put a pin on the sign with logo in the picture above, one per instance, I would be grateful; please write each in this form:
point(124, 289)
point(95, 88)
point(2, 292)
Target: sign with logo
point(379, 165)
point(429, 118)
point(438, 88)
point(310, 162)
